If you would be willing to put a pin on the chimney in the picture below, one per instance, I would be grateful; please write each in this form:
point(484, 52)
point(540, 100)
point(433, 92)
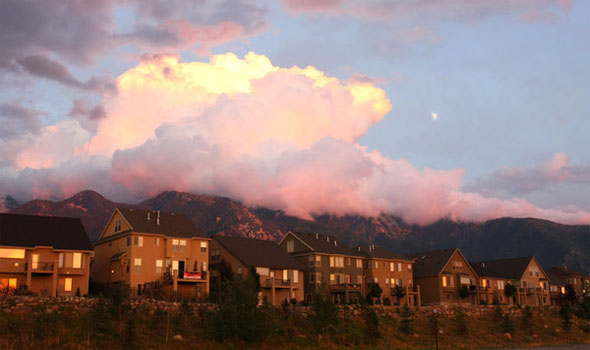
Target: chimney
point(317, 236)
point(359, 248)
point(483, 264)
point(148, 215)
point(158, 221)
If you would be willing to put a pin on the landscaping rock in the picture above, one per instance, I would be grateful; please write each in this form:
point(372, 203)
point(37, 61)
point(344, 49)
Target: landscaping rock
point(177, 337)
point(508, 336)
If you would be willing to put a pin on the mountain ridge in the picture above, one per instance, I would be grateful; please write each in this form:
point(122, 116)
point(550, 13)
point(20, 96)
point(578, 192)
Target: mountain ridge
point(552, 243)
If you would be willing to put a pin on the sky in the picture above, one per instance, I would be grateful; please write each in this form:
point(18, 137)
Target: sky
point(466, 110)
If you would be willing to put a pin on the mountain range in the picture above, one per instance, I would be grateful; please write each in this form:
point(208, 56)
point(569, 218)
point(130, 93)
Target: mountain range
point(552, 243)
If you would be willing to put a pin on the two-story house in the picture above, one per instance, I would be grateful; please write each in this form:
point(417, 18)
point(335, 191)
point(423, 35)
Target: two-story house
point(153, 250)
point(441, 274)
point(46, 255)
point(332, 266)
point(525, 273)
point(578, 281)
point(392, 272)
point(281, 276)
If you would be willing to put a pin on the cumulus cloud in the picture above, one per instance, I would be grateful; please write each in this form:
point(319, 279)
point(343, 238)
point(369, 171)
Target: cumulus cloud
point(284, 138)
point(16, 119)
point(509, 181)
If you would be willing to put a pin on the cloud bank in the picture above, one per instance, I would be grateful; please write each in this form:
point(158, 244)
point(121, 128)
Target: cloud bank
point(283, 138)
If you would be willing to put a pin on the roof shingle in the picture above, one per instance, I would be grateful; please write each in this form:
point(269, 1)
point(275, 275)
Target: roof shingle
point(375, 252)
point(168, 224)
point(52, 231)
point(258, 252)
point(326, 244)
point(430, 263)
point(511, 268)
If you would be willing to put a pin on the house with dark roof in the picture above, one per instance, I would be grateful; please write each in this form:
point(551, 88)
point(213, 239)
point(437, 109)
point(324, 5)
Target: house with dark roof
point(525, 273)
point(557, 288)
point(579, 282)
point(442, 274)
point(47, 255)
point(331, 265)
point(392, 272)
point(281, 276)
point(153, 252)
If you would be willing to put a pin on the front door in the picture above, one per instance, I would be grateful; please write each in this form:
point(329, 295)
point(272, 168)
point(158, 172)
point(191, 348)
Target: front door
point(181, 269)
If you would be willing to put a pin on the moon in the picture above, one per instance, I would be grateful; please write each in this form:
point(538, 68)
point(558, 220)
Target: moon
point(434, 116)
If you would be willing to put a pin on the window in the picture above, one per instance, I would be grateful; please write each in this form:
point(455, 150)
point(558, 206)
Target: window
point(67, 284)
point(203, 247)
point(117, 225)
point(8, 283)
point(562, 290)
point(500, 284)
point(554, 288)
point(312, 277)
point(311, 260)
point(159, 266)
point(179, 245)
point(484, 283)
point(376, 264)
point(457, 265)
point(157, 241)
point(318, 260)
point(409, 267)
point(285, 275)
point(318, 277)
point(399, 267)
point(77, 261)
point(359, 279)
point(386, 281)
point(376, 280)
point(331, 261)
point(239, 270)
point(447, 281)
point(290, 246)
point(465, 280)
point(138, 241)
point(35, 261)
point(399, 282)
point(204, 266)
point(263, 271)
point(448, 297)
point(137, 264)
point(60, 263)
point(391, 267)
point(332, 278)
point(12, 253)
point(128, 241)
point(347, 261)
point(359, 263)
point(295, 276)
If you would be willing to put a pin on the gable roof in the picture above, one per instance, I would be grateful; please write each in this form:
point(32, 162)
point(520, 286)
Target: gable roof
point(258, 252)
point(168, 224)
point(51, 231)
point(431, 262)
point(325, 244)
point(375, 252)
point(511, 268)
point(564, 272)
point(556, 280)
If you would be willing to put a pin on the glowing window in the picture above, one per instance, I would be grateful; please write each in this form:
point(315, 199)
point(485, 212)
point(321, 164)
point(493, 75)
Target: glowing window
point(68, 285)
point(12, 253)
point(77, 263)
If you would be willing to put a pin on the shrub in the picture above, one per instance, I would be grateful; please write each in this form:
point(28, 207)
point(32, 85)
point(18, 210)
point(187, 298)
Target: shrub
point(527, 316)
point(375, 292)
point(507, 324)
point(566, 315)
point(464, 292)
point(509, 290)
point(460, 320)
point(483, 302)
point(371, 320)
point(387, 302)
point(498, 313)
point(406, 324)
point(324, 313)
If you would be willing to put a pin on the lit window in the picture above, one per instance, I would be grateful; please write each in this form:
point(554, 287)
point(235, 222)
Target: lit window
point(318, 261)
point(376, 280)
point(331, 261)
point(399, 267)
point(12, 253)
point(347, 260)
point(35, 261)
point(137, 264)
point(285, 275)
point(409, 267)
point(359, 263)
point(61, 260)
point(263, 271)
point(8, 283)
point(359, 279)
point(67, 285)
point(204, 266)
point(295, 276)
point(138, 241)
point(376, 265)
point(157, 241)
point(391, 267)
point(203, 247)
point(332, 278)
point(386, 281)
point(159, 266)
point(77, 260)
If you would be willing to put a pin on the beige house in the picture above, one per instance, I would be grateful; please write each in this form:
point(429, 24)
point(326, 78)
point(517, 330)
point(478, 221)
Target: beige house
point(281, 276)
point(331, 265)
point(441, 274)
point(525, 273)
point(153, 252)
point(392, 272)
point(46, 255)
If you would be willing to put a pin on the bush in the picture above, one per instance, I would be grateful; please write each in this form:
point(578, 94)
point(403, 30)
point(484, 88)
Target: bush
point(464, 291)
point(527, 316)
point(507, 324)
point(387, 302)
point(406, 324)
point(371, 320)
point(566, 315)
point(498, 313)
point(460, 320)
point(324, 313)
point(483, 302)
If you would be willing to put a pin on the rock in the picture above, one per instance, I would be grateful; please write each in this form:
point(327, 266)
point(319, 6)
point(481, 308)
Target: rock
point(416, 335)
point(545, 326)
point(177, 337)
point(440, 331)
point(507, 335)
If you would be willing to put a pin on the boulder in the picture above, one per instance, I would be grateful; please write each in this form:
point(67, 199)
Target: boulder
point(177, 337)
point(507, 335)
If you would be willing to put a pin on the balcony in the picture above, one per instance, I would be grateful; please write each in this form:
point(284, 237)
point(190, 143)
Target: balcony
point(195, 276)
point(342, 287)
point(279, 282)
point(40, 267)
point(408, 290)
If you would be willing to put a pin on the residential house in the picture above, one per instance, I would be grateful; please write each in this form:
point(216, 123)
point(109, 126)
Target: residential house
point(153, 251)
point(525, 273)
point(332, 266)
point(441, 274)
point(392, 272)
point(47, 255)
point(573, 279)
point(281, 276)
point(557, 288)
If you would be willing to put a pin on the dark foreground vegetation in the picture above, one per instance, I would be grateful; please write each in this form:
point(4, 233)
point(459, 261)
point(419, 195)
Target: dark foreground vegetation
point(238, 322)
